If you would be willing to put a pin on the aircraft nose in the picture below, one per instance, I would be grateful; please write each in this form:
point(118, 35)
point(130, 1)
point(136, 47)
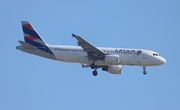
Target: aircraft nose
point(162, 60)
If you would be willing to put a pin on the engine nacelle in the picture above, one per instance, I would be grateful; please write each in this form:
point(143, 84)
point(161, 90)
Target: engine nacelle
point(112, 59)
point(114, 69)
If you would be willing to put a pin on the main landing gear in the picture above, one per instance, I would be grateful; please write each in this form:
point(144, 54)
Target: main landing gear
point(144, 70)
point(95, 72)
point(93, 66)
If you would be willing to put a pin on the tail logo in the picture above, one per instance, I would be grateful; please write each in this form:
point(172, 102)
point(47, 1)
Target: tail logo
point(33, 38)
point(30, 34)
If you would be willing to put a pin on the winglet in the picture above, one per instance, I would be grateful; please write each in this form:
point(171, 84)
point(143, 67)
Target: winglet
point(73, 35)
point(82, 65)
point(85, 65)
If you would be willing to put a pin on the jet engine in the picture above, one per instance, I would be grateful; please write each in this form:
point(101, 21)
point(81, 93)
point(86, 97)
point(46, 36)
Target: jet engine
point(112, 59)
point(114, 69)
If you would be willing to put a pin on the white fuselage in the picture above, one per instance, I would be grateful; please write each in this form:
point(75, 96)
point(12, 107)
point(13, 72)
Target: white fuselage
point(127, 56)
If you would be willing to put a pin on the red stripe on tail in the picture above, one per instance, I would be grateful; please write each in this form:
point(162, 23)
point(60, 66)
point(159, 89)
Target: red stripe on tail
point(31, 37)
point(27, 25)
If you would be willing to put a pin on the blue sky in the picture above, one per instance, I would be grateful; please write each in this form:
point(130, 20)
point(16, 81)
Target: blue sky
point(29, 82)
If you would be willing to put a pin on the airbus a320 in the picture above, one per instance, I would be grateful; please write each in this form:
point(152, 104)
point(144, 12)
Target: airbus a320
point(111, 60)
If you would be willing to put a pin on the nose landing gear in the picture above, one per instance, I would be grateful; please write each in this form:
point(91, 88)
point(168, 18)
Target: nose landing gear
point(144, 70)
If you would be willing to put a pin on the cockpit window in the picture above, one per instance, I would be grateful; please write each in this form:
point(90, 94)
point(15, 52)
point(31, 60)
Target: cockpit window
point(155, 54)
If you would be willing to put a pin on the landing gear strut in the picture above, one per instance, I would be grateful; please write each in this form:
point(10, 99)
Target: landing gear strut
point(144, 70)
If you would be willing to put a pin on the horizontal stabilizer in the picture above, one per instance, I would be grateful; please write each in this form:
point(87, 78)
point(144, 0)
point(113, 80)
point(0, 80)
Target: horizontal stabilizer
point(26, 45)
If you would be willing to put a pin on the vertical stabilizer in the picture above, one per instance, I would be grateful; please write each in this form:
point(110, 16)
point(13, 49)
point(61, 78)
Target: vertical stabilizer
point(33, 39)
point(30, 34)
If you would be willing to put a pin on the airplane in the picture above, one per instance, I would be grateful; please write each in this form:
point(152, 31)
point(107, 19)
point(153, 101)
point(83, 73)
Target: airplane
point(110, 60)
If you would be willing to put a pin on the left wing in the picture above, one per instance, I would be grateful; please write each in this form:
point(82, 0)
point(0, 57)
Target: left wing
point(91, 51)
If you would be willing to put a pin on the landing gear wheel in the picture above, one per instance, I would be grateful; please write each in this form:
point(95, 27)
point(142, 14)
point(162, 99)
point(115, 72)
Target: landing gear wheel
point(95, 73)
point(92, 66)
point(144, 72)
